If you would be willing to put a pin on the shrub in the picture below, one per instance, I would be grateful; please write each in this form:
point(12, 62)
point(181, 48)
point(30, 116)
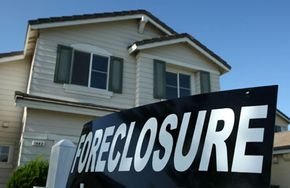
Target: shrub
point(34, 173)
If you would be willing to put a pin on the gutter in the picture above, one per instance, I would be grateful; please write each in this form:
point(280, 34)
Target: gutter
point(281, 149)
point(33, 98)
point(12, 56)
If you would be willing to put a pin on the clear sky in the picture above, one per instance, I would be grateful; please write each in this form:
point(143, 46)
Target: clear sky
point(253, 36)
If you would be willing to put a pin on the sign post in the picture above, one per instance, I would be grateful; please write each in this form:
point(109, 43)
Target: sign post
point(219, 140)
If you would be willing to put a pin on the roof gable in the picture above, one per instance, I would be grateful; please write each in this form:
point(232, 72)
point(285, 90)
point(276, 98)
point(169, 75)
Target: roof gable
point(179, 38)
point(42, 23)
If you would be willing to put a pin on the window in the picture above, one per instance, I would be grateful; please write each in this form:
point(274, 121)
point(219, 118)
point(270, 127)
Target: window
point(280, 129)
point(177, 85)
point(99, 72)
point(4, 154)
point(89, 69)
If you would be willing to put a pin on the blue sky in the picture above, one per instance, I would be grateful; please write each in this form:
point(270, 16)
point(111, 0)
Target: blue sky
point(253, 36)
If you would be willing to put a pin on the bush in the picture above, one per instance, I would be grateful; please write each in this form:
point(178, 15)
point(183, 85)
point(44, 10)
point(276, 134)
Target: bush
point(31, 174)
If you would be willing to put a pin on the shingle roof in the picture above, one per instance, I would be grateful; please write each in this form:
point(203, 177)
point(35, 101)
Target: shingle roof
point(9, 54)
point(99, 15)
point(284, 115)
point(178, 36)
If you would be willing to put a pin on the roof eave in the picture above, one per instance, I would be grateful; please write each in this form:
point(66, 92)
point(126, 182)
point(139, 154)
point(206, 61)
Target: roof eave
point(12, 56)
point(45, 103)
point(98, 20)
point(135, 47)
point(282, 115)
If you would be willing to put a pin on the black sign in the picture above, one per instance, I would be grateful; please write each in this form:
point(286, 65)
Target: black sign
point(221, 139)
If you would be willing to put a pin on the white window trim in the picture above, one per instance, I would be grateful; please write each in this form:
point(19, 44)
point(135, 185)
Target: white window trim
point(88, 91)
point(91, 49)
point(178, 85)
point(96, 92)
point(108, 71)
point(10, 156)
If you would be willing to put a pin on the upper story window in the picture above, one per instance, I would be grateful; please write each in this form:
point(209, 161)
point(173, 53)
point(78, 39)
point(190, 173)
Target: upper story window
point(177, 85)
point(90, 70)
point(280, 129)
point(87, 68)
point(172, 85)
point(4, 154)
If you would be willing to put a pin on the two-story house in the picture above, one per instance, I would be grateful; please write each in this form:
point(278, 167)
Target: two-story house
point(77, 68)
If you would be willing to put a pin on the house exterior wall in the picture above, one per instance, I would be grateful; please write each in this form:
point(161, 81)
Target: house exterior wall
point(114, 37)
point(174, 63)
point(13, 77)
point(49, 127)
point(280, 170)
point(280, 121)
point(144, 81)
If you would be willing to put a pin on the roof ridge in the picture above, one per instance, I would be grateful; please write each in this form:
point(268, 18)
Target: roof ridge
point(99, 15)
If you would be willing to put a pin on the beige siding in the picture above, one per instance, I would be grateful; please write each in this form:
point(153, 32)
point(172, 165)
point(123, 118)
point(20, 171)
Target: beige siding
point(4, 175)
point(178, 55)
point(50, 127)
point(13, 77)
point(112, 37)
point(191, 73)
point(185, 54)
point(144, 83)
point(215, 82)
point(280, 170)
point(280, 121)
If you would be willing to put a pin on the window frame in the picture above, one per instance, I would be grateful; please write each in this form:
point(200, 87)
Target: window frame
point(90, 68)
point(177, 73)
point(7, 164)
point(279, 128)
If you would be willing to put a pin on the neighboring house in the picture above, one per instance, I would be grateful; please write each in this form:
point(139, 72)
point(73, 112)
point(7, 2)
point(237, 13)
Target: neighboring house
point(14, 71)
point(77, 68)
point(282, 122)
point(281, 159)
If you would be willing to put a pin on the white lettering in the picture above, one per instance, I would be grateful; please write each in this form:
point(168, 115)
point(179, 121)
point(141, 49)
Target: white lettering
point(182, 162)
point(112, 163)
point(85, 152)
point(140, 162)
point(126, 162)
point(104, 148)
point(217, 138)
point(166, 140)
point(95, 146)
point(78, 153)
point(242, 162)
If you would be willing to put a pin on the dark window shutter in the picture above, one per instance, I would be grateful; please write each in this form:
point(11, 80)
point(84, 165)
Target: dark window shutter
point(116, 74)
point(63, 64)
point(205, 82)
point(81, 68)
point(159, 80)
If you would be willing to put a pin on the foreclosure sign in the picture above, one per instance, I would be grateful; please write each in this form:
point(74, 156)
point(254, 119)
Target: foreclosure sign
point(221, 139)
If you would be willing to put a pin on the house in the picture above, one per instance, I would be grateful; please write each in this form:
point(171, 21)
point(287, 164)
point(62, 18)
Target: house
point(77, 68)
point(281, 152)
